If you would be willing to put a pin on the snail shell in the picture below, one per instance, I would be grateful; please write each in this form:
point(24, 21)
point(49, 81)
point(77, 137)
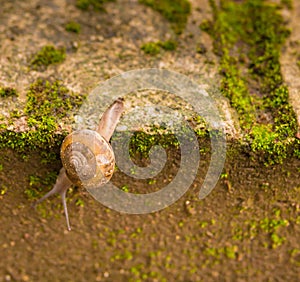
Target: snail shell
point(87, 158)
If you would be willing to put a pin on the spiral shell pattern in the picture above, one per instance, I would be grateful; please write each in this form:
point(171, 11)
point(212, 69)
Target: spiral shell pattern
point(88, 158)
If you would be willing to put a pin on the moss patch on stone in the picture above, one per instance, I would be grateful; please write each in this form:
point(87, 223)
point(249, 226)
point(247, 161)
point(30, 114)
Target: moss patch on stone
point(248, 37)
point(73, 27)
point(175, 11)
point(96, 5)
point(48, 55)
point(154, 48)
point(48, 103)
point(141, 142)
point(51, 99)
point(150, 48)
point(8, 92)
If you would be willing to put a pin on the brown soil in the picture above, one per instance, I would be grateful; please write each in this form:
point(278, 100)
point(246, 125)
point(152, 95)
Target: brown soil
point(220, 238)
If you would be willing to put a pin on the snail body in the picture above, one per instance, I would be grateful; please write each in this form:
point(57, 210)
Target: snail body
point(87, 157)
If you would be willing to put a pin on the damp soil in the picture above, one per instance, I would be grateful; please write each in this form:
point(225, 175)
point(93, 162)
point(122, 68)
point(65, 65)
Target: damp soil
point(247, 229)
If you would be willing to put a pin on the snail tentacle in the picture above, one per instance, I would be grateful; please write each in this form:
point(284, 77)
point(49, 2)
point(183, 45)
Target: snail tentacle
point(61, 186)
point(64, 202)
point(110, 118)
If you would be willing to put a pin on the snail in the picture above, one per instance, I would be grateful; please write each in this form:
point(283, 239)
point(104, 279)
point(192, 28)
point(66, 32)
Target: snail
point(87, 157)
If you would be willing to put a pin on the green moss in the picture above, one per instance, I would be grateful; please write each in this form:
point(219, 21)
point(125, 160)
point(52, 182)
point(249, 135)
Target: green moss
point(48, 55)
point(96, 5)
point(151, 48)
point(47, 103)
point(287, 3)
point(139, 273)
point(175, 11)
point(79, 203)
point(230, 252)
point(73, 27)
point(8, 92)
point(3, 191)
point(206, 25)
point(169, 45)
point(295, 256)
point(125, 188)
point(50, 99)
point(124, 256)
point(271, 226)
point(38, 184)
point(269, 144)
point(201, 49)
point(141, 142)
point(267, 227)
point(234, 87)
point(248, 37)
point(154, 48)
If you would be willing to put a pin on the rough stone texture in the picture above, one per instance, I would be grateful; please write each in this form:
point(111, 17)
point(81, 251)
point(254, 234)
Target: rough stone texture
point(290, 55)
point(108, 45)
